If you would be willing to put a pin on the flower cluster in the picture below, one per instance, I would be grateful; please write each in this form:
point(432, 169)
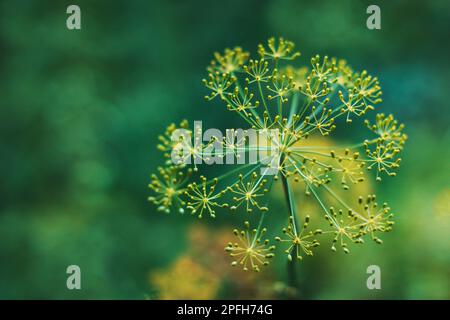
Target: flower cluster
point(304, 103)
point(299, 242)
point(251, 250)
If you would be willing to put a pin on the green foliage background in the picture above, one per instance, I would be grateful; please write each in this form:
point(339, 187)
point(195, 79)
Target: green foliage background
point(81, 110)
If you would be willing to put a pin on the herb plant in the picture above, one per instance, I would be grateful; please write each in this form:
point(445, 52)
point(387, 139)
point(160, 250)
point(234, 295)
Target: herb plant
point(271, 94)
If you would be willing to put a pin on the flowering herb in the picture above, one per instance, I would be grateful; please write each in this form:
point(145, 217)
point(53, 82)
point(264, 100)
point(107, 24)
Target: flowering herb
point(269, 92)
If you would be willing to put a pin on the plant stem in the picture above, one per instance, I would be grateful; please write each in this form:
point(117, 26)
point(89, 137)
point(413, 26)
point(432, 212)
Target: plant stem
point(292, 271)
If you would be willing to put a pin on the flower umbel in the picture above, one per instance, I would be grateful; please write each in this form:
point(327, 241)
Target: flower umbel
point(248, 192)
point(299, 242)
point(292, 108)
point(169, 188)
point(204, 198)
point(251, 250)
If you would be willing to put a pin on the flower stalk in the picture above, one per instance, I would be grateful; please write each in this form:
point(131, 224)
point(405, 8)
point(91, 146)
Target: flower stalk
point(291, 263)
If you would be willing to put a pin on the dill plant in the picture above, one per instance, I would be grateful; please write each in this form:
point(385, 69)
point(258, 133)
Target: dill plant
point(270, 92)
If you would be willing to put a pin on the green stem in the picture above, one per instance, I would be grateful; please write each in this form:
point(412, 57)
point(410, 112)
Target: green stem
point(294, 106)
point(263, 214)
point(292, 270)
point(255, 114)
point(264, 101)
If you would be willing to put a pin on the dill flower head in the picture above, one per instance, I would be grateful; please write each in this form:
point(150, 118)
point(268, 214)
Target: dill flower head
point(230, 61)
point(203, 197)
point(290, 107)
point(251, 250)
point(248, 193)
point(300, 241)
point(168, 187)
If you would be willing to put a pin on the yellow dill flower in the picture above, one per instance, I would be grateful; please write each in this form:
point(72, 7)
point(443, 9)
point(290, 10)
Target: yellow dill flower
point(349, 167)
point(388, 129)
point(167, 144)
point(280, 87)
point(314, 175)
point(241, 102)
point(321, 121)
point(278, 50)
point(324, 70)
point(298, 75)
point(299, 241)
point(204, 198)
point(372, 218)
point(257, 71)
point(250, 250)
point(343, 228)
point(353, 105)
point(384, 159)
point(367, 88)
point(315, 90)
point(228, 62)
point(206, 247)
point(344, 73)
point(169, 188)
point(248, 192)
point(218, 83)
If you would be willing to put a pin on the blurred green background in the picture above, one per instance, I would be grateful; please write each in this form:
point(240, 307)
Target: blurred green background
point(81, 111)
